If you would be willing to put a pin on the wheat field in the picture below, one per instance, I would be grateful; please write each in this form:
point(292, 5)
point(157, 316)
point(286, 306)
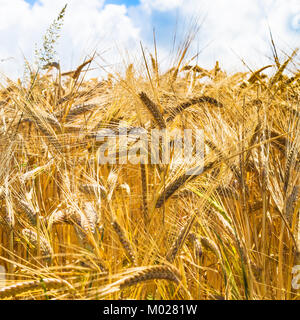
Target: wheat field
point(73, 228)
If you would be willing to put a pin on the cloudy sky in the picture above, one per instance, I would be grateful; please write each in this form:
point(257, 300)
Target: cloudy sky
point(229, 29)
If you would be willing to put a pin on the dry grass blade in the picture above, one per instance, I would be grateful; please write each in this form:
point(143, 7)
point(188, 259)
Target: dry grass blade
point(145, 192)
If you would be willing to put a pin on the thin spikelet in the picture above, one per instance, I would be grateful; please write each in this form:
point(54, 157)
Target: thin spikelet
point(256, 75)
point(129, 72)
point(79, 69)
point(83, 228)
point(31, 236)
point(51, 119)
point(179, 241)
point(124, 241)
point(92, 189)
point(19, 288)
point(255, 206)
point(35, 172)
point(79, 109)
point(222, 157)
point(291, 79)
point(91, 215)
point(280, 142)
point(290, 203)
point(252, 141)
point(2, 193)
point(82, 221)
point(83, 95)
point(210, 245)
point(154, 110)
point(49, 135)
point(143, 274)
point(278, 74)
point(197, 244)
point(193, 101)
point(180, 181)
point(153, 63)
point(226, 192)
point(10, 214)
point(289, 163)
point(60, 216)
point(151, 273)
point(195, 68)
point(28, 209)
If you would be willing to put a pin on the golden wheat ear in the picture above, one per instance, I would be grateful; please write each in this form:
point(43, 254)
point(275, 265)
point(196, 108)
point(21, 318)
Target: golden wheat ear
point(124, 241)
point(181, 180)
point(23, 287)
point(154, 110)
point(191, 102)
point(179, 241)
point(38, 241)
point(164, 272)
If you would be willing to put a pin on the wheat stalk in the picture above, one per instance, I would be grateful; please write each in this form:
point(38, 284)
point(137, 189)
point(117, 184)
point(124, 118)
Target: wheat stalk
point(144, 192)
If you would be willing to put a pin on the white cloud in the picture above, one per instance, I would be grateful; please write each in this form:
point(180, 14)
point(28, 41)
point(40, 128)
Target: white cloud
point(242, 27)
point(88, 25)
point(231, 26)
point(160, 5)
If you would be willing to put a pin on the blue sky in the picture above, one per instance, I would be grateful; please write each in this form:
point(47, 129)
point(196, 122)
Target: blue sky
point(127, 2)
point(114, 28)
point(117, 2)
